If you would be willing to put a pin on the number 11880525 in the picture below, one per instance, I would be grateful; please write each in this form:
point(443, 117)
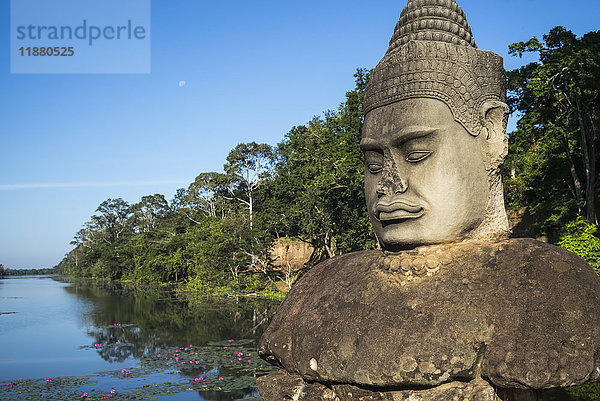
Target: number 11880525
point(56, 51)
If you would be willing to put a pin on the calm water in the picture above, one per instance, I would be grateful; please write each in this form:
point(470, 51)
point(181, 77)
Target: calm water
point(51, 329)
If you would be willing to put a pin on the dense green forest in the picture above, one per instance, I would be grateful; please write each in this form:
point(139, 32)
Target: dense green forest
point(216, 235)
point(4, 272)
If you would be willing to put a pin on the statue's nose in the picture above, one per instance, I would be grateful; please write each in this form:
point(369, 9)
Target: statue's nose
point(391, 181)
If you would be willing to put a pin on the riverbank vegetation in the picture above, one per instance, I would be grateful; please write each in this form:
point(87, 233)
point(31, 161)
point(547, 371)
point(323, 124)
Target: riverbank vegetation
point(216, 235)
point(4, 272)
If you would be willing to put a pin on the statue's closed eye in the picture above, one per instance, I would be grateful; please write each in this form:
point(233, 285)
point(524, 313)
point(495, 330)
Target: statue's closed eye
point(375, 168)
point(417, 156)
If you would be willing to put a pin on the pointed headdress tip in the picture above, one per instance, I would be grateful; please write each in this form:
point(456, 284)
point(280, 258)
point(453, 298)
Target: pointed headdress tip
point(433, 54)
point(432, 20)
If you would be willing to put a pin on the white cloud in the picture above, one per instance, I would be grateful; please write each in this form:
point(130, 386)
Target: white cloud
point(54, 185)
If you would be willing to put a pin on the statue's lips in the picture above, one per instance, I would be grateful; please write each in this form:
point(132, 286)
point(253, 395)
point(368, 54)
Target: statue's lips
point(398, 210)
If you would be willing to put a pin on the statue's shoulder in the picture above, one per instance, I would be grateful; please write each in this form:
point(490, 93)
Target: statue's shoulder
point(545, 264)
point(340, 268)
point(504, 307)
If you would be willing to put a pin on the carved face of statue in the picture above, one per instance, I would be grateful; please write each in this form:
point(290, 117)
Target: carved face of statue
point(425, 177)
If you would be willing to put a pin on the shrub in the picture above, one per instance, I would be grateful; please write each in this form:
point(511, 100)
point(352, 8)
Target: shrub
point(580, 237)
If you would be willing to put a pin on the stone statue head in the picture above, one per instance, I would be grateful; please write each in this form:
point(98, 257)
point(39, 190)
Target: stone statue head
point(434, 135)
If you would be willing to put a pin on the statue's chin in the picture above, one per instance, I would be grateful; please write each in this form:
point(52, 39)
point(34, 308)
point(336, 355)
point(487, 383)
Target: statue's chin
point(404, 234)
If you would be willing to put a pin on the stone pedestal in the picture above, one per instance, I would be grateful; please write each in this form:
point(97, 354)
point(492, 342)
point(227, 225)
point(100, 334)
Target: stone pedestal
point(519, 314)
point(287, 387)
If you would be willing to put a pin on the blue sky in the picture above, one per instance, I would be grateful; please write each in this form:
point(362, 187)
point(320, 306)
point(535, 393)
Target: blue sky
point(252, 70)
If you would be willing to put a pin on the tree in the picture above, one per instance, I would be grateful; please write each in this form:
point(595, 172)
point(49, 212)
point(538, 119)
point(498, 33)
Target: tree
point(206, 194)
point(149, 212)
point(248, 164)
point(554, 148)
point(113, 218)
point(317, 191)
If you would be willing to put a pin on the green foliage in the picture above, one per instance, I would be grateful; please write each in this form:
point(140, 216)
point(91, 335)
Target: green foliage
point(586, 392)
point(514, 193)
point(4, 272)
point(551, 167)
point(581, 237)
point(317, 191)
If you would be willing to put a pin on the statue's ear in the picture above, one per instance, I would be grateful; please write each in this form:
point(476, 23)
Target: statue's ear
point(494, 115)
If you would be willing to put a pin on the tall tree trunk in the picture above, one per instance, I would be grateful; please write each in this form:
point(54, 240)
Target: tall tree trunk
point(330, 252)
point(589, 162)
point(251, 207)
point(574, 176)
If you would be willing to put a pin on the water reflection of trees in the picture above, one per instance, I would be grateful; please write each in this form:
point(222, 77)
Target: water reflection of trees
point(152, 318)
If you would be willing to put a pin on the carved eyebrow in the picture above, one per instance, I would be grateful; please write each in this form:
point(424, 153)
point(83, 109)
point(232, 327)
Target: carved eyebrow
point(367, 144)
point(398, 138)
point(410, 133)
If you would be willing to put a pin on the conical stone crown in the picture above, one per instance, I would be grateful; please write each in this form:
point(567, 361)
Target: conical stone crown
point(432, 54)
point(432, 20)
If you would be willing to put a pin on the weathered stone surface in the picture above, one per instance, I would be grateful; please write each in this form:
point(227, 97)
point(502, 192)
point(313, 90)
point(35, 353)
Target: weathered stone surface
point(434, 134)
point(282, 386)
point(519, 313)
